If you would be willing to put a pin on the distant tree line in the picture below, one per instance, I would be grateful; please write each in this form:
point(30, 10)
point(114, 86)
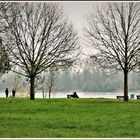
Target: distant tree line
point(95, 81)
point(88, 80)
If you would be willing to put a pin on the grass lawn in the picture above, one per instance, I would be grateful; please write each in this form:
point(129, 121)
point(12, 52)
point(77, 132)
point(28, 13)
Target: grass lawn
point(69, 118)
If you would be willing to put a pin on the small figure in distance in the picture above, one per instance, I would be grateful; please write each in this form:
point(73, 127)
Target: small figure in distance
point(6, 92)
point(13, 92)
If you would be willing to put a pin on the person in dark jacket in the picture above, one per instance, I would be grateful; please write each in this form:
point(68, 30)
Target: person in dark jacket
point(75, 95)
point(13, 92)
point(6, 92)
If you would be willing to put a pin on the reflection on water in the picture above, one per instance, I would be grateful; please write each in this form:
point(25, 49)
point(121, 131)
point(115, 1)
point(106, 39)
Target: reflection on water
point(111, 95)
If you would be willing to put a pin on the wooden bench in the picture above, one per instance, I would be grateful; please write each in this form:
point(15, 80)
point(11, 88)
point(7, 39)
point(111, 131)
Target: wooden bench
point(69, 96)
point(120, 97)
point(138, 96)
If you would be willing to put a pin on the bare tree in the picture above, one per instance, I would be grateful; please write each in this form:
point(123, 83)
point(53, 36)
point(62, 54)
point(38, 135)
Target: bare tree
point(4, 58)
point(4, 6)
point(40, 84)
point(114, 33)
point(38, 37)
point(51, 79)
point(13, 80)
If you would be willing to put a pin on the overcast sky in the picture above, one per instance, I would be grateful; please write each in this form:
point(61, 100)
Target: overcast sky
point(77, 12)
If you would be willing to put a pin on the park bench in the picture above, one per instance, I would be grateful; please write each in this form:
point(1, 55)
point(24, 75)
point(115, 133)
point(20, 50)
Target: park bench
point(74, 95)
point(69, 96)
point(120, 97)
point(138, 96)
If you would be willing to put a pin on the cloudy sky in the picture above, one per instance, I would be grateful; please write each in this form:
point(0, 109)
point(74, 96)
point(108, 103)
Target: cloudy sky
point(77, 13)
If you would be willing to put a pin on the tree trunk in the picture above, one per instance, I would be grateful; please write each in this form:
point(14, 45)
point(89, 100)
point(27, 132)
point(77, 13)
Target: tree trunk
point(43, 94)
point(32, 88)
point(49, 92)
point(126, 86)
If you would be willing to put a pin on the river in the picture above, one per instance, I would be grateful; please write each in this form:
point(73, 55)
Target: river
point(111, 95)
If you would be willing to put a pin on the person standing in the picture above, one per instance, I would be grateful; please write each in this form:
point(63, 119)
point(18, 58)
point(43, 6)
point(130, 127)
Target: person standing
point(13, 92)
point(6, 92)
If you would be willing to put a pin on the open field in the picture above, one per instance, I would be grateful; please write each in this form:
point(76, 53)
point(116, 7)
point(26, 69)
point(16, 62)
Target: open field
point(69, 118)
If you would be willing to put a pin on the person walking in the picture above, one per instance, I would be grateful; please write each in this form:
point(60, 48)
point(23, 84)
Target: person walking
point(6, 92)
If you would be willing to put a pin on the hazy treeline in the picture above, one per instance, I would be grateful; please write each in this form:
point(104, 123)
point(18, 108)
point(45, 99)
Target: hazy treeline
point(88, 80)
point(95, 81)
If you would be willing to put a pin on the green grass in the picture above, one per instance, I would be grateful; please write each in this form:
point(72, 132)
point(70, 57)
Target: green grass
point(69, 118)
